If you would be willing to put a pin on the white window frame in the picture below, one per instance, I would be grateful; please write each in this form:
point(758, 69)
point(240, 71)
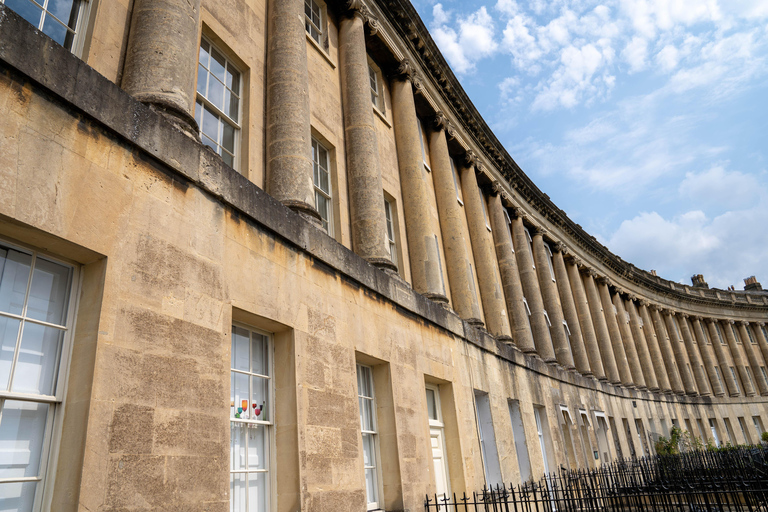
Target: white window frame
point(391, 232)
point(758, 426)
point(752, 339)
point(751, 378)
point(485, 209)
point(720, 378)
point(530, 246)
point(422, 141)
point(566, 415)
point(81, 22)
point(549, 262)
point(310, 24)
point(456, 186)
point(735, 334)
point(735, 379)
point(377, 92)
point(720, 333)
point(202, 103)
point(56, 405)
point(376, 502)
point(438, 423)
point(317, 167)
point(765, 375)
point(268, 425)
point(527, 308)
point(713, 429)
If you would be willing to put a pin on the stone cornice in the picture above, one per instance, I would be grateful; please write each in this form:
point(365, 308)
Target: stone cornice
point(406, 21)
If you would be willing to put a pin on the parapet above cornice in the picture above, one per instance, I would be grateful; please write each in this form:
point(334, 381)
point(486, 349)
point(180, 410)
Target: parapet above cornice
point(414, 34)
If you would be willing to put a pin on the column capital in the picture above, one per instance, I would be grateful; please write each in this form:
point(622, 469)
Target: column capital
point(684, 315)
point(657, 307)
point(744, 323)
point(696, 318)
point(441, 122)
point(573, 260)
point(586, 270)
point(359, 8)
point(644, 303)
point(729, 321)
point(470, 158)
point(407, 72)
point(602, 280)
point(631, 297)
point(761, 324)
point(560, 247)
point(538, 230)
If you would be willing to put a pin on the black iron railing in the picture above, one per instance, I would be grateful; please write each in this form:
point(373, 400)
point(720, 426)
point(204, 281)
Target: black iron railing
point(732, 481)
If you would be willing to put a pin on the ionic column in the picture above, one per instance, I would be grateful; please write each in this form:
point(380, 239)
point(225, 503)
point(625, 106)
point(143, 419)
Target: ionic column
point(614, 333)
point(585, 318)
point(641, 344)
point(706, 356)
point(161, 58)
point(666, 351)
point(738, 358)
point(718, 344)
point(530, 282)
point(629, 343)
point(494, 304)
point(601, 329)
point(422, 244)
point(366, 197)
point(579, 351)
point(510, 277)
point(551, 301)
point(762, 385)
point(694, 356)
point(288, 134)
point(761, 341)
point(654, 349)
point(679, 351)
point(457, 260)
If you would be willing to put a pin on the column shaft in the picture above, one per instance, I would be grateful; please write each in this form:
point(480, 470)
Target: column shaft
point(613, 331)
point(494, 304)
point(718, 344)
point(655, 350)
point(762, 385)
point(678, 349)
point(551, 299)
point(706, 356)
point(761, 341)
point(161, 57)
point(629, 344)
point(579, 351)
point(601, 329)
point(644, 355)
point(585, 321)
point(738, 358)
point(530, 282)
point(422, 244)
point(457, 259)
point(366, 196)
point(288, 133)
point(510, 277)
point(694, 356)
point(667, 352)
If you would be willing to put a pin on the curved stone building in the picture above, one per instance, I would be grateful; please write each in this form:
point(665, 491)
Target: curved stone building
point(266, 255)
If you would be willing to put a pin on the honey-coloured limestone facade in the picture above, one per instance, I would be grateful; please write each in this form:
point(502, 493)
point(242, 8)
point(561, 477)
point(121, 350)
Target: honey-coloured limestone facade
point(265, 255)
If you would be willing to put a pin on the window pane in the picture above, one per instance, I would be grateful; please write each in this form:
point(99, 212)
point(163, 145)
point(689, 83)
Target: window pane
point(240, 349)
point(370, 485)
point(204, 55)
point(233, 80)
point(18, 497)
point(259, 360)
point(202, 77)
point(217, 65)
point(257, 492)
point(198, 113)
point(211, 125)
point(363, 381)
point(38, 360)
point(228, 158)
point(257, 447)
point(234, 104)
point(324, 182)
point(237, 490)
point(61, 9)
point(431, 405)
point(259, 398)
point(228, 138)
point(54, 30)
point(369, 454)
point(26, 10)
point(322, 205)
point(9, 331)
point(14, 274)
point(215, 92)
point(48, 292)
point(366, 414)
point(22, 428)
point(237, 434)
point(240, 393)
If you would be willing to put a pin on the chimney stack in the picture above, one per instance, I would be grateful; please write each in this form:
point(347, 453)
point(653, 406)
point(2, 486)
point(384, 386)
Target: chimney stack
point(698, 281)
point(751, 284)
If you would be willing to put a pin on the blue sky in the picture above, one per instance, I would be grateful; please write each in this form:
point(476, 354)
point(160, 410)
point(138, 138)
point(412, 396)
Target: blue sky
point(645, 120)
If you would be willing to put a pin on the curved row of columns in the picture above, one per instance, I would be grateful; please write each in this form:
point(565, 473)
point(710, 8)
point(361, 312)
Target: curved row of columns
point(546, 302)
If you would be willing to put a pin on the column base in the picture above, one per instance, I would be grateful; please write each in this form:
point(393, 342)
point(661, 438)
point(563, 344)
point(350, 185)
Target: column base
point(720, 395)
point(586, 374)
point(530, 351)
point(475, 322)
point(506, 339)
point(654, 390)
point(306, 211)
point(603, 380)
point(550, 360)
point(641, 388)
point(177, 116)
point(570, 368)
point(437, 297)
point(384, 264)
point(615, 382)
point(692, 394)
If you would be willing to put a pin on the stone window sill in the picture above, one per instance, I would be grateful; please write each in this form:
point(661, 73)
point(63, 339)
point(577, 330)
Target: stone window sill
point(321, 50)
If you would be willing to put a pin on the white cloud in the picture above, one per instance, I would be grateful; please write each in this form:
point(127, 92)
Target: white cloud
point(635, 54)
point(667, 58)
point(574, 78)
point(473, 39)
point(720, 188)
